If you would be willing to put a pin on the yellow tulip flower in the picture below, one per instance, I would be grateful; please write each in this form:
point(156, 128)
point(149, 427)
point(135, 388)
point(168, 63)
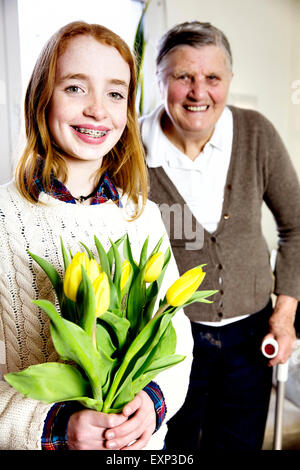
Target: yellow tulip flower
point(182, 289)
point(154, 267)
point(93, 270)
point(73, 274)
point(125, 275)
point(102, 293)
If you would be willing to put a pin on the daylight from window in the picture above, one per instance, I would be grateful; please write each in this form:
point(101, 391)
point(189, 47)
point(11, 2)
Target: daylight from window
point(38, 20)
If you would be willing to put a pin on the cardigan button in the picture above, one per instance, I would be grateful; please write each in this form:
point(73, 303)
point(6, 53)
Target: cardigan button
point(226, 216)
point(220, 314)
point(213, 239)
point(219, 266)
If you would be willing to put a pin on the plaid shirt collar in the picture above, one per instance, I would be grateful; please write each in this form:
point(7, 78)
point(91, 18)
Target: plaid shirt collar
point(106, 191)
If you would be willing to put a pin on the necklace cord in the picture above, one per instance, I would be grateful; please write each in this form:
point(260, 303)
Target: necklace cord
point(84, 198)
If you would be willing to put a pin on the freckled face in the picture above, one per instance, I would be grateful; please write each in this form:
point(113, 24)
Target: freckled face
point(88, 108)
point(194, 83)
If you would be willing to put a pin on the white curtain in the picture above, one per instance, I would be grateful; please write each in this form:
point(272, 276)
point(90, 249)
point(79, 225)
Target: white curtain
point(10, 87)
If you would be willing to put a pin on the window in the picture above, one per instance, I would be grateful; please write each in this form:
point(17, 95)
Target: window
point(39, 20)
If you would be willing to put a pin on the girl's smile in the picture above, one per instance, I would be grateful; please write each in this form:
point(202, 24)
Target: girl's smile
point(91, 134)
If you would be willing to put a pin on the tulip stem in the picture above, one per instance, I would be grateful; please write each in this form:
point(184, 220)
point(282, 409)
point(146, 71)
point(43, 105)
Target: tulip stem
point(161, 310)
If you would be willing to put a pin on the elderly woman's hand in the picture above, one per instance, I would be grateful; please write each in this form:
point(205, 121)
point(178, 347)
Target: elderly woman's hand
point(282, 328)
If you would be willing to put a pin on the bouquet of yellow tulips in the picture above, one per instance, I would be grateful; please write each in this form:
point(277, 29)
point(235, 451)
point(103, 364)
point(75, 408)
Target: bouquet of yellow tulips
point(110, 342)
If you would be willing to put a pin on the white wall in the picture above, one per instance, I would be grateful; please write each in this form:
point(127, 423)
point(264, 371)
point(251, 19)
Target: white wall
point(265, 38)
point(294, 115)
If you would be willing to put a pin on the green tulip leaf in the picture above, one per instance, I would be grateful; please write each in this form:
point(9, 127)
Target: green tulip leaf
point(166, 346)
point(164, 362)
point(151, 296)
point(69, 309)
point(104, 341)
point(115, 298)
point(102, 257)
point(106, 349)
point(110, 253)
point(52, 274)
point(158, 366)
point(125, 396)
point(91, 403)
point(128, 255)
point(159, 358)
point(119, 327)
point(143, 255)
point(73, 343)
point(90, 254)
point(136, 354)
point(49, 382)
point(64, 254)
point(157, 247)
point(86, 303)
point(200, 296)
point(136, 300)
point(109, 366)
point(118, 268)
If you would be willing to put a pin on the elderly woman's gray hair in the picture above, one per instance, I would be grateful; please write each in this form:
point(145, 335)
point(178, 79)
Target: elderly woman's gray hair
point(193, 34)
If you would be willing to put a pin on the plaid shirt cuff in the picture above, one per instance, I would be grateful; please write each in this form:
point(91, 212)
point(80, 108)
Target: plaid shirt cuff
point(156, 395)
point(54, 435)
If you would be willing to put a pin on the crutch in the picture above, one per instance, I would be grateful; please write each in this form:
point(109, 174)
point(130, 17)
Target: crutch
point(270, 349)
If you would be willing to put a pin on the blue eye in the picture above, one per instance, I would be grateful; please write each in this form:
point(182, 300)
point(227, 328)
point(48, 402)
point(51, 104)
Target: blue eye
point(74, 89)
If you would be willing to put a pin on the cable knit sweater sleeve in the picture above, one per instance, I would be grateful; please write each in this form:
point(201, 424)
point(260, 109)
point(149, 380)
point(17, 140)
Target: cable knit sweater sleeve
point(24, 329)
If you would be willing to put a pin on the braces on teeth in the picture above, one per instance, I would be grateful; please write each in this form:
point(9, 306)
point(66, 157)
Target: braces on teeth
point(92, 132)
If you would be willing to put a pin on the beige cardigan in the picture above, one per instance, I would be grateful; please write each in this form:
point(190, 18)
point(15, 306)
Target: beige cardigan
point(236, 253)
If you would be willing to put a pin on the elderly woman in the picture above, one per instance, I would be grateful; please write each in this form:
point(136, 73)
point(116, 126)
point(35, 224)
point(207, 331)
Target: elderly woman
point(218, 163)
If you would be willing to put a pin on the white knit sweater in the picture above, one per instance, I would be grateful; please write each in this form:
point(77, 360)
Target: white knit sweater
point(24, 329)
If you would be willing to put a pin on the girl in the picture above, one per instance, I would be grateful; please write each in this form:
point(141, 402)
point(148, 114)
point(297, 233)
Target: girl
point(82, 173)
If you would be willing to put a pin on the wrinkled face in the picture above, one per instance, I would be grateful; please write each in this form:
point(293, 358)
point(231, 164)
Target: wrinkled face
point(194, 83)
point(88, 108)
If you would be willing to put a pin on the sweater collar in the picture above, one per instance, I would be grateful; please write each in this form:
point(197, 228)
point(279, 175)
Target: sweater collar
point(106, 191)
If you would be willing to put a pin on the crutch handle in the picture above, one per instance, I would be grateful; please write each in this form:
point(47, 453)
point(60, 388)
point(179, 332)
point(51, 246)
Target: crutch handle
point(269, 348)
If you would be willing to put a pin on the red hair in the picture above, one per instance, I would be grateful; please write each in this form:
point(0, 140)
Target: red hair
point(125, 163)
